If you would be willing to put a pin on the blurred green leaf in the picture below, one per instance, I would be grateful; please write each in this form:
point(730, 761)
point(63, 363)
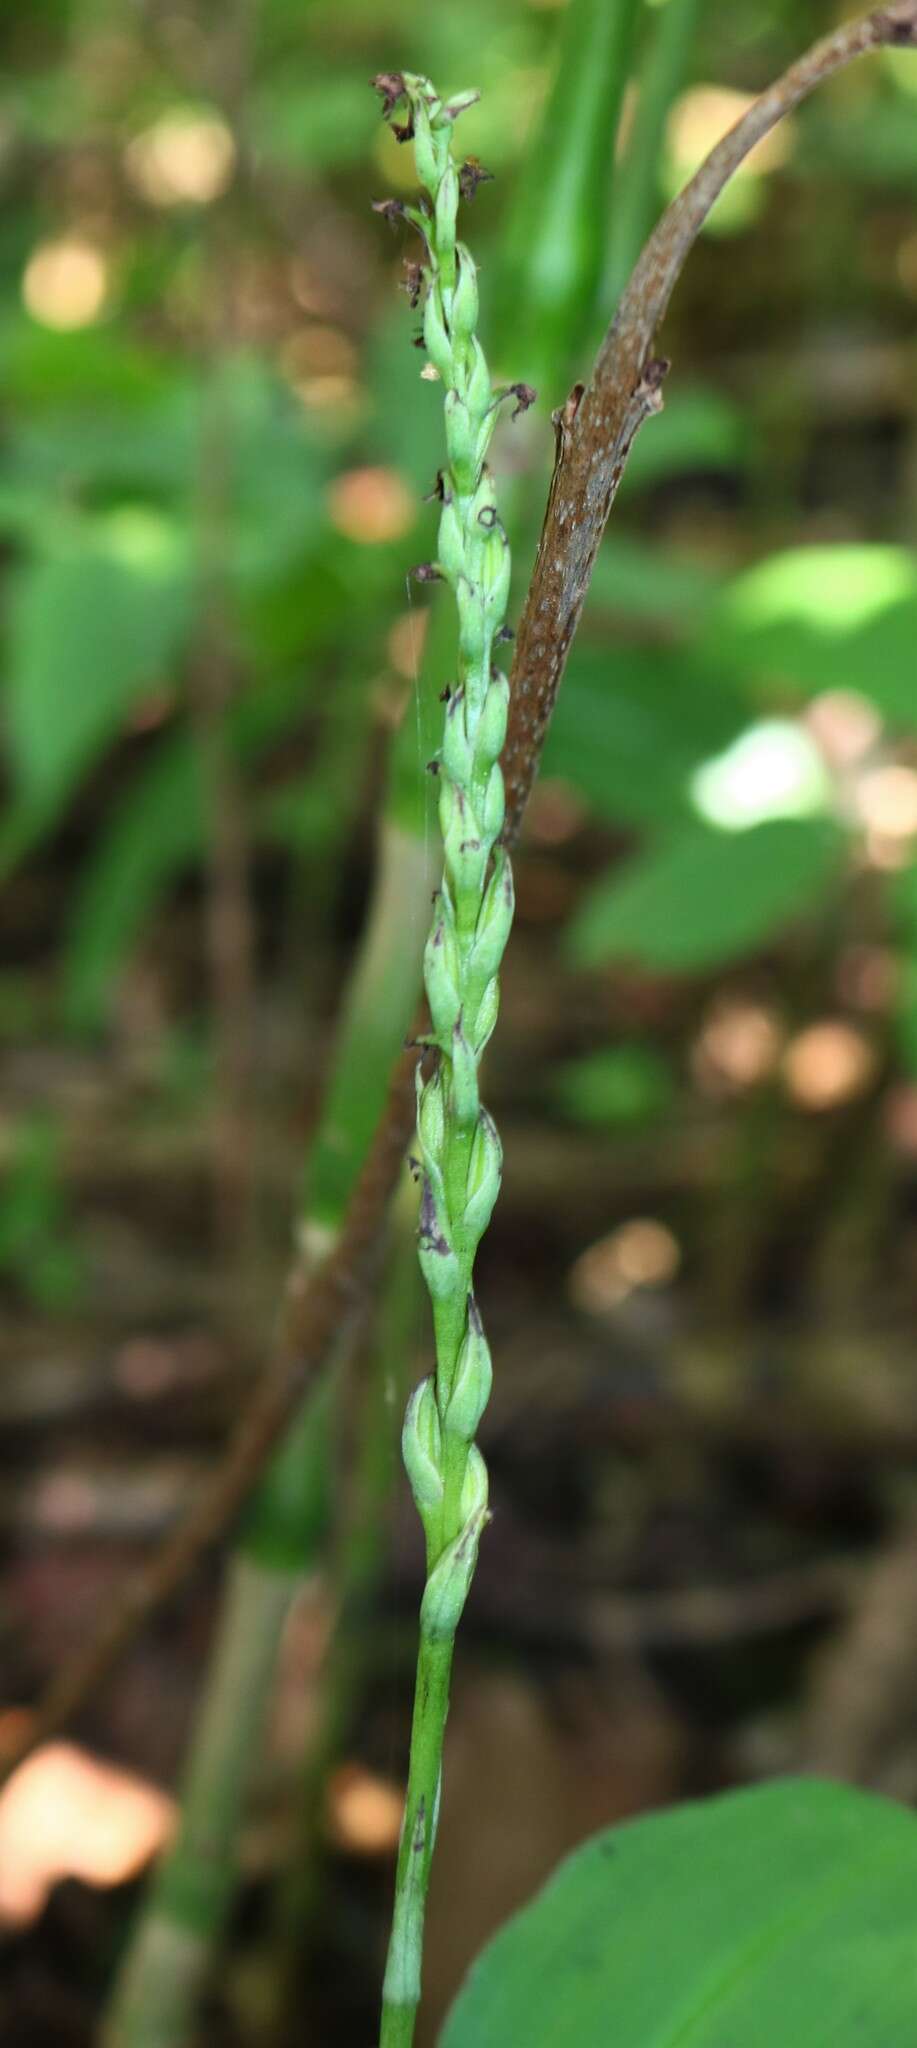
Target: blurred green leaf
point(632, 724)
point(788, 1915)
point(649, 584)
point(36, 1243)
point(824, 618)
point(90, 629)
point(156, 831)
point(625, 1084)
point(697, 430)
point(702, 897)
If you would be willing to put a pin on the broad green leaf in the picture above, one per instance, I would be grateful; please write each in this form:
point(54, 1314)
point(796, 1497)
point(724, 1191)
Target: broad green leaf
point(702, 897)
point(825, 618)
point(631, 727)
point(90, 630)
point(649, 584)
point(782, 1914)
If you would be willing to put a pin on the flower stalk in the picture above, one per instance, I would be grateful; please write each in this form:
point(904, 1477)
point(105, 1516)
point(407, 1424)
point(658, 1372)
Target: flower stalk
point(459, 1163)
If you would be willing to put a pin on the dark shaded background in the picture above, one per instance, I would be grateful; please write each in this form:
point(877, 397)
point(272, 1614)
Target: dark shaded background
point(699, 1281)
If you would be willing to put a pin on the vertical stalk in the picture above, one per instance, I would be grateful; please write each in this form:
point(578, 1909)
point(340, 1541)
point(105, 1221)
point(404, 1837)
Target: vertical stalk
point(459, 1150)
point(158, 1986)
point(637, 182)
point(557, 229)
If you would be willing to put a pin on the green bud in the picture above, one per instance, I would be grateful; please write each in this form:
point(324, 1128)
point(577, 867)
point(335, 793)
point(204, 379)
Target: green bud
point(464, 303)
point(493, 809)
point(474, 632)
point(458, 755)
point(491, 732)
point(488, 1009)
point(496, 577)
point(472, 1383)
point(447, 1587)
point(438, 1263)
point(494, 922)
point(431, 1127)
point(421, 1449)
point(474, 1487)
point(464, 1100)
point(431, 1139)
point(427, 157)
point(446, 209)
point(439, 980)
point(461, 442)
point(483, 1185)
point(436, 335)
point(450, 543)
point(478, 390)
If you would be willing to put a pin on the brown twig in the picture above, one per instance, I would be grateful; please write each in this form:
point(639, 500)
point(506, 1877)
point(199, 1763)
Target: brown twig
point(597, 427)
point(595, 433)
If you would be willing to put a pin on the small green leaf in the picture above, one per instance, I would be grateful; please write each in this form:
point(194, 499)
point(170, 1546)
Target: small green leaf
point(702, 897)
point(782, 1914)
point(824, 618)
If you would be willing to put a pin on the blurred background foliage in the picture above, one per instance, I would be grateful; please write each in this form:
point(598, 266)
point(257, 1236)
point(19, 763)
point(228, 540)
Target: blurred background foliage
point(214, 445)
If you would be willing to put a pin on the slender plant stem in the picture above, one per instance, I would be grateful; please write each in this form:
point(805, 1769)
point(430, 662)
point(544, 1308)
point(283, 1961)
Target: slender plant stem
point(636, 200)
point(459, 1162)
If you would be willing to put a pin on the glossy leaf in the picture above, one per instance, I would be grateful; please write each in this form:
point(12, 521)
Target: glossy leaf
point(785, 1913)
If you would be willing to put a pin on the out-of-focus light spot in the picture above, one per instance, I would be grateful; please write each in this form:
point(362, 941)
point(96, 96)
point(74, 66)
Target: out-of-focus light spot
point(64, 1814)
point(738, 1046)
point(320, 363)
point(844, 726)
point(405, 643)
point(640, 1253)
point(884, 851)
point(186, 158)
point(309, 288)
point(430, 373)
point(705, 113)
point(65, 1503)
point(364, 1812)
point(65, 283)
point(318, 351)
point(371, 505)
point(555, 813)
point(771, 771)
point(886, 801)
point(828, 1064)
point(867, 978)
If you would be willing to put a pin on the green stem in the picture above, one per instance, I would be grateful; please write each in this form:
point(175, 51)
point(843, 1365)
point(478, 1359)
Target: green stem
point(637, 181)
point(163, 1973)
point(401, 1991)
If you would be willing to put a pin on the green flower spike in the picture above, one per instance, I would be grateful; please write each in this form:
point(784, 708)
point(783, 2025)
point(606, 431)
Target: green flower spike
point(460, 1156)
